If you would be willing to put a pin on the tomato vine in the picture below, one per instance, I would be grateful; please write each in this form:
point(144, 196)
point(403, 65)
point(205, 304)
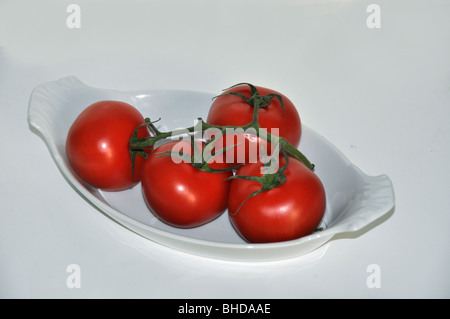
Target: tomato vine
point(139, 145)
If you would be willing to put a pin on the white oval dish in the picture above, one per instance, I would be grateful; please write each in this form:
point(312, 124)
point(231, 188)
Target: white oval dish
point(354, 200)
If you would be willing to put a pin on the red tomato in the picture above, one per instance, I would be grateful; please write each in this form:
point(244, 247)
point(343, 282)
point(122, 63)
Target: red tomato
point(234, 110)
point(180, 194)
point(289, 211)
point(97, 145)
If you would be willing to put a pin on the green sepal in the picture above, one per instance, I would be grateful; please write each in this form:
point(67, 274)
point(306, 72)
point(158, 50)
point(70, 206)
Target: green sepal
point(263, 100)
point(267, 181)
point(133, 154)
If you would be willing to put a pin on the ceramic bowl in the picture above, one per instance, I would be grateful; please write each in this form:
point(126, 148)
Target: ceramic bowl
point(355, 201)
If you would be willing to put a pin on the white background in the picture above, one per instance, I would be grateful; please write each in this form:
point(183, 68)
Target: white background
point(382, 96)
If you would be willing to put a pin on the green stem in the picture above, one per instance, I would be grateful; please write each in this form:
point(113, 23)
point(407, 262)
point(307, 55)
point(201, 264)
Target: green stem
point(267, 181)
point(138, 146)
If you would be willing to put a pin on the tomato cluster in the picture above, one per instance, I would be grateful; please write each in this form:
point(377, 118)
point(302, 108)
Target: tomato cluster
point(186, 183)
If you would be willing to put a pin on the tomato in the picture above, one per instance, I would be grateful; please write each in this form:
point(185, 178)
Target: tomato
point(97, 145)
point(289, 211)
point(234, 110)
point(180, 194)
